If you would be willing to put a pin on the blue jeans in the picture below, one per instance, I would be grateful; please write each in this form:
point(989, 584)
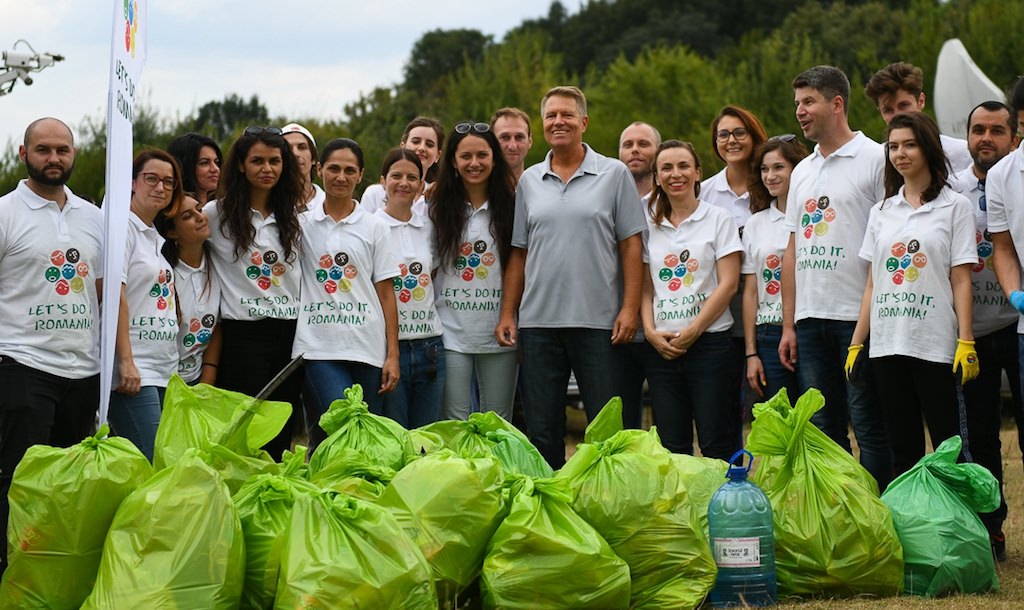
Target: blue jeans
point(137, 417)
point(822, 348)
point(326, 381)
point(696, 387)
point(776, 375)
point(549, 355)
point(416, 400)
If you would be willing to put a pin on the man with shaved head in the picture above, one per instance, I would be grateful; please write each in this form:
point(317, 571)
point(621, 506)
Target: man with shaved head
point(50, 263)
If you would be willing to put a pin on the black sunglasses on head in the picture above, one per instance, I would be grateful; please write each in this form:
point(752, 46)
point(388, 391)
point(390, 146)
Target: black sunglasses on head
point(477, 127)
point(786, 137)
point(255, 130)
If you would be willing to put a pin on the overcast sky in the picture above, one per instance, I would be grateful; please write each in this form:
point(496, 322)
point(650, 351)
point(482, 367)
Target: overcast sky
point(302, 58)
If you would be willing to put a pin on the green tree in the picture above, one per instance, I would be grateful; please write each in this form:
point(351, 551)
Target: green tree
point(439, 53)
point(219, 119)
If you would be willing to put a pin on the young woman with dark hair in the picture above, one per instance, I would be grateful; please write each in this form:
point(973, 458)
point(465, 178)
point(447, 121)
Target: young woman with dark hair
point(425, 137)
point(200, 159)
point(472, 204)
point(348, 328)
point(255, 242)
point(917, 304)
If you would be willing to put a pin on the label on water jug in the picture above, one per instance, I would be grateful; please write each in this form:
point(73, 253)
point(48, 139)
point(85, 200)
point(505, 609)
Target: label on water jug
point(738, 552)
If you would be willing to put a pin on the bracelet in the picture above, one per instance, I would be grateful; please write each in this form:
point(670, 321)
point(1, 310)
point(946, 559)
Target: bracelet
point(751, 355)
point(210, 364)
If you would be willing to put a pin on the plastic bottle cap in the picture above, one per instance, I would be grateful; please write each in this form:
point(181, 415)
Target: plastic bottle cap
point(736, 473)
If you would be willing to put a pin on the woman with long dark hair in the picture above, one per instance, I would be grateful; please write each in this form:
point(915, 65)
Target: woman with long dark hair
point(425, 137)
point(255, 242)
point(200, 159)
point(917, 304)
point(472, 205)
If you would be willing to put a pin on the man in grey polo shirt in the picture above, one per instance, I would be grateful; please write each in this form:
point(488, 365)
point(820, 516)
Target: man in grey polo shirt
point(577, 238)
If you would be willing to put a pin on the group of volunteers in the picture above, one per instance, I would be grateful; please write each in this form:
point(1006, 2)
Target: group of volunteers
point(886, 276)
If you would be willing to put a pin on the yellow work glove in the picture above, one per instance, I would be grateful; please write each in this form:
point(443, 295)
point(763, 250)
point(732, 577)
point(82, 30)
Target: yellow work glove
point(851, 368)
point(966, 359)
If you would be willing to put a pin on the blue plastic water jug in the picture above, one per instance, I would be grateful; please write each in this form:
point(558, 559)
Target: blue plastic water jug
point(742, 540)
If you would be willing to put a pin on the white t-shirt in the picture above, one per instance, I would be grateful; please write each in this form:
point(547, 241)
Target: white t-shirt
point(716, 191)
point(412, 244)
point(992, 310)
point(469, 295)
point(957, 152)
point(49, 262)
point(374, 199)
point(1004, 186)
point(199, 303)
point(318, 199)
point(827, 209)
point(911, 252)
point(764, 243)
point(152, 313)
point(342, 318)
point(682, 263)
point(260, 283)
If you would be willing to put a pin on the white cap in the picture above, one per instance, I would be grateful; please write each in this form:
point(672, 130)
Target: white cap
point(296, 128)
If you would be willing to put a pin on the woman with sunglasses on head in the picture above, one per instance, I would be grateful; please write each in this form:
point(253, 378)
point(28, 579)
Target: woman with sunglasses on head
point(692, 263)
point(186, 247)
point(471, 205)
point(145, 347)
point(348, 328)
point(425, 137)
point(764, 242)
point(917, 305)
point(416, 399)
point(200, 159)
point(255, 242)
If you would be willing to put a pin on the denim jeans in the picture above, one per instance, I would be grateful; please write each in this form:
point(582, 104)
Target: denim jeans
point(696, 387)
point(137, 417)
point(493, 375)
point(776, 375)
point(326, 381)
point(822, 348)
point(549, 354)
point(416, 400)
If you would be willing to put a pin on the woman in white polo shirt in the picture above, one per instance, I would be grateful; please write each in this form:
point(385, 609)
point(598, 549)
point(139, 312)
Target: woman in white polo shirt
point(917, 304)
point(186, 248)
point(416, 399)
point(763, 246)
point(425, 137)
point(348, 326)
point(146, 353)
point(472, 205)
point(255, 242)
point(692, 258)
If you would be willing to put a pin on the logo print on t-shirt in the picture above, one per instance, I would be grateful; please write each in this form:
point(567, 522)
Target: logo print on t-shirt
point(984, 240)
point(266, 270)
point(772, 274)
point(817, 217)
point(412, 282)
point(67, 272)
point(163, 290)
point(906, 261)
point(336, 272)
point(474, 260)
point(678, 270)
point(199, 330)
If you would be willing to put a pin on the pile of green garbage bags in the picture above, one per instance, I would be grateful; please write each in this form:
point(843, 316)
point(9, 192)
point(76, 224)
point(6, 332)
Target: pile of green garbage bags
point(453, 515)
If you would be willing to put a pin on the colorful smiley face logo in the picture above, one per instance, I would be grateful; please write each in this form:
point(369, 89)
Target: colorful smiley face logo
point(341, 259)
point(62, 287)
point(209, 320)
point(344, 285)
point(330, 287)
point(920, 260)
point(256, 258)
point(488, 259)
point(405, 295)
point(424, 279)
point(270, 257)
point(773, 287)
point(52, 274)
point(460, 263)
point(416, 268)
point(473, 260)
point(466, 248)
point(326, 261)
point(194, 325)
point(823, 202)
point(336, 273)
point(277, 270)
point(351, 272)
point(57, 257)
point(480, 246)
point(671, 260)
point(73, 255)
point(467, 275)
point(810, 205)
point(188, 340)
point(772, 261)
point(83, 269)
point(898, 249)
point(264, 283)
point(913, 246)
point(481, 273)
point(204, 335)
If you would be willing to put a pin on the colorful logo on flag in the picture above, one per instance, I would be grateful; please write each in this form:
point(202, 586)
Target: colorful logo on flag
point(131, 25)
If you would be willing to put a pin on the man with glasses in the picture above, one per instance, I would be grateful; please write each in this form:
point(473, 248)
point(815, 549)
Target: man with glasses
point(823, 279)
point(512, 128)
point(50, 263)
point(991, 135)
point(576, 240)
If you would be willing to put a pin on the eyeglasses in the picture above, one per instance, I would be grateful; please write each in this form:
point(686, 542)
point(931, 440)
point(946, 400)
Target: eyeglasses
point(477, 127)
point(152, 180)
point(255, 130)
point(786, 137)
point(739, 133)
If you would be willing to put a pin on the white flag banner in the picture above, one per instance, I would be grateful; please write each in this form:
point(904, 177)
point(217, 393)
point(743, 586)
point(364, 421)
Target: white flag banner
point(127, 57)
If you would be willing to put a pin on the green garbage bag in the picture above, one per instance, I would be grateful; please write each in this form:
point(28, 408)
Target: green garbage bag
point(175, 544)
point(424, 442)
point(607, 422)
point(350, 425)
point(488, 434)
point(201, 416)
point(702, 477)
point(62, 502)
point(342, 552)
point(544, 555)
point(634, 493)
point(450, 507)
point(833, 535)
point(353, 474)
point(264, 506)
point(934, 505)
